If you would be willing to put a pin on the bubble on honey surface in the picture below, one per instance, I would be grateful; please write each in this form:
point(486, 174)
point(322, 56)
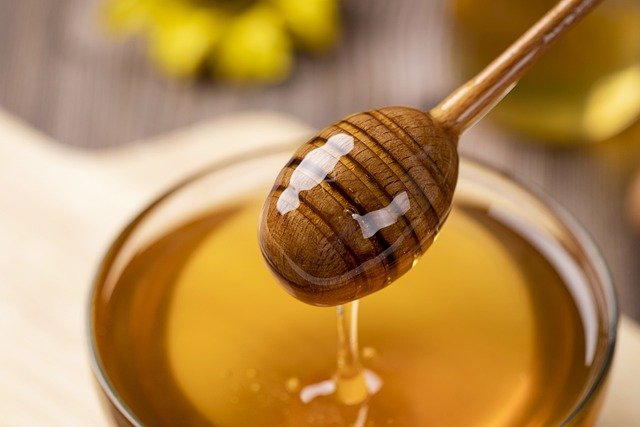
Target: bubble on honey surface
point(252, 373)
point(255, 387)
point(369, 353)
point(292, 385)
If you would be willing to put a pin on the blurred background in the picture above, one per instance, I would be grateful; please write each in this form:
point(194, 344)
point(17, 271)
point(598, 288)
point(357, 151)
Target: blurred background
point(96, 74)
point(105, 103)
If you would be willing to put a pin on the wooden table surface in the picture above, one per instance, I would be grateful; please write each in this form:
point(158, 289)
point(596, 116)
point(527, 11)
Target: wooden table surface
point(59, 73)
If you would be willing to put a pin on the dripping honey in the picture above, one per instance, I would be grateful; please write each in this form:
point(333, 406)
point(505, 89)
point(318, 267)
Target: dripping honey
point(483, 331)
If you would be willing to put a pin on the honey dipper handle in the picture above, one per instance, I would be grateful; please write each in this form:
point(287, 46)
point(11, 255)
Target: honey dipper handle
point(467, 104)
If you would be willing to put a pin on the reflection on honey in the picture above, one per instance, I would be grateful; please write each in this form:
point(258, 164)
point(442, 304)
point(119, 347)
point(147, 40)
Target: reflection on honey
point(482, 331)
point(587, 87)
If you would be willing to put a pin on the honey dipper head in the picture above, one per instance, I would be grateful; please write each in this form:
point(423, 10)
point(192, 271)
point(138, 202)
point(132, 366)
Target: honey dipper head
point(358, 203)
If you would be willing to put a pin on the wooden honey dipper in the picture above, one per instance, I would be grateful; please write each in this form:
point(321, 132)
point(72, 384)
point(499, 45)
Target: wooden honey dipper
point(360, 202)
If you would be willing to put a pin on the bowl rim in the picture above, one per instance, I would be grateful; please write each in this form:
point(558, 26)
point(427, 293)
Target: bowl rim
point(560, 213)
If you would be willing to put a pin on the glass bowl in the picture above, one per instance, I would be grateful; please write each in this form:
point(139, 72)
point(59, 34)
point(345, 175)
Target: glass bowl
point(548, 226)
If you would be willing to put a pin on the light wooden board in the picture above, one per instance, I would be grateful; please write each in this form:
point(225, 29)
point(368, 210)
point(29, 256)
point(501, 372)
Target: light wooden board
point(62, 75)
point(59, 210)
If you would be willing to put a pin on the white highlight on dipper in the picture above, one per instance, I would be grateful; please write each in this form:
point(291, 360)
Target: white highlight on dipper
point(313, 169)
point(375, 221)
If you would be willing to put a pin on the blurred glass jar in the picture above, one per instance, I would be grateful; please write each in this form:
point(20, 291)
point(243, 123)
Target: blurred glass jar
point(586, 88)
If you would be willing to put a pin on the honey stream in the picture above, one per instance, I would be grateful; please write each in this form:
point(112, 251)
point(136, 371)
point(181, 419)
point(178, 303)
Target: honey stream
point(351, 387)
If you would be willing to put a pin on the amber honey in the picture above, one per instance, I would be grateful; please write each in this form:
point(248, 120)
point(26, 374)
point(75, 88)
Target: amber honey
point(483, 331)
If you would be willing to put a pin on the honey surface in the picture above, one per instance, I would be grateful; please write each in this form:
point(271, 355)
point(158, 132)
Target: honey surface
point(481, 332)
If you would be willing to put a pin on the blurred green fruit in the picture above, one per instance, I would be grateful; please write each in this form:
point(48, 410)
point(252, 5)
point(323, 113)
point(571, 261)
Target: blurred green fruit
point(238, 40)
point(255, 48)
point(183, 42)
point(313, 23)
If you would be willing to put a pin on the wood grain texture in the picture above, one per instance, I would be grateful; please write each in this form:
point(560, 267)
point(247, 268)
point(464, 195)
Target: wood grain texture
point(59, 73)
point(320, 252)
point(314, 248)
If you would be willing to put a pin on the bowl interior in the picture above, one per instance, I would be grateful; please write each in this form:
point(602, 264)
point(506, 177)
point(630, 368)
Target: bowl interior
point(545, 224)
